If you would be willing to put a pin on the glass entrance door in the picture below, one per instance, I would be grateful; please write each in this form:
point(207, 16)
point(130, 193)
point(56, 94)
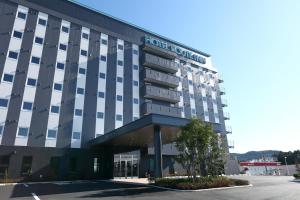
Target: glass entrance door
point(126, 166)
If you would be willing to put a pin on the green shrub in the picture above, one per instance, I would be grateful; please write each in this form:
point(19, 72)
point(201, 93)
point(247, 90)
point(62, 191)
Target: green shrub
point(199, 183)
point(297, 176)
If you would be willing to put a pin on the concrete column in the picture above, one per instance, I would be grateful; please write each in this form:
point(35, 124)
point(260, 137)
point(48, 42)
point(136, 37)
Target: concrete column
point(157, 152)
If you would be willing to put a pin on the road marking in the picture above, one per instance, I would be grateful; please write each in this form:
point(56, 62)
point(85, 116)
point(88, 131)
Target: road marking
point(26, 185)
point(35, 197)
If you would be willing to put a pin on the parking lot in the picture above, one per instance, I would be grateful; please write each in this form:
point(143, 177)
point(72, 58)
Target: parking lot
point(273, 188)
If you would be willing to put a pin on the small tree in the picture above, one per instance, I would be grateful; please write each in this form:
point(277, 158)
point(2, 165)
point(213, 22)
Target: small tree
point(198, 145)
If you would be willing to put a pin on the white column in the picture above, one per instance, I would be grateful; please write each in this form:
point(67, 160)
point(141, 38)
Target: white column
point(135, 78)
point(119, 84)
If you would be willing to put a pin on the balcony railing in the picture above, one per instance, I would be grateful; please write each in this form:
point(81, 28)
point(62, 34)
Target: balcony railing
point(226, 115)
point(162, 94)
point(159, 63)
point(224, 102)
point(228, 129)
point(222, 90)
point(160, 78)
point(220, 78)
point(148, 108)
point(230, 144)
point(159, 51)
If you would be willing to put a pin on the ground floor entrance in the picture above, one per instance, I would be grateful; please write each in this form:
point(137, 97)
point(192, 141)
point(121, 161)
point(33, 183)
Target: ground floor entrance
point(126, 165)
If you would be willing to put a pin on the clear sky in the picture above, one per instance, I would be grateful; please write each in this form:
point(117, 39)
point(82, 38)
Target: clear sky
point(255, 44)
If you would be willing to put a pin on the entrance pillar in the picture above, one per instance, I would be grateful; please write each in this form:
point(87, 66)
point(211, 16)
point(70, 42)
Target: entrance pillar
point(157, 152)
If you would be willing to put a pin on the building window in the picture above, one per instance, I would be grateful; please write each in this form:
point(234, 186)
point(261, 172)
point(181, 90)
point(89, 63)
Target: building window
point(78, 112)
point(119, 117)
point(60, 65)
point(97, 162)
point(101, 94)
point(135, 118)
point(51, 134)
point(42, 22)
point(103, 58)
point(23, 132)
point(85, 36)
point(135, 83)
point(83, 52)
point(1, 129)
point(135, 101)
point(4, 164)
point(80, 91)
point(65, 29)
point(135, 67)
point(135, 52)
point(3, 103)
point(18, 34)
point(38, 40)
point(104, 41)
point(31, 82)
point(119, 79)
point(102, 75)
point(35, 60)
point(76, 135)
point(120, 62)
point(57, 86)
point(21, 15)
point(81, 71)
point(26, 166)
point(27, 105)
point(13, 55)
point(192, 96)
point(120, 47)
point(119, 98)
point(100, 115)
point(193, 111)
point(63, 47)
point(54, 109)
point(8, 77)
point(190, 82)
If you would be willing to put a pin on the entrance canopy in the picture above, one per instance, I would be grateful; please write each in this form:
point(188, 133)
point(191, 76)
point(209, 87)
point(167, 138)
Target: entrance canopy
point(139, 133)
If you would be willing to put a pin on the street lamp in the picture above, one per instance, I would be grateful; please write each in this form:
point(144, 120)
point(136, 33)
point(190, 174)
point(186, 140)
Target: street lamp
point(287, 169)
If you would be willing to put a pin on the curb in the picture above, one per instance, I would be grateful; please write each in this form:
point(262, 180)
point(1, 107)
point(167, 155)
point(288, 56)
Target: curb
point(45, 182)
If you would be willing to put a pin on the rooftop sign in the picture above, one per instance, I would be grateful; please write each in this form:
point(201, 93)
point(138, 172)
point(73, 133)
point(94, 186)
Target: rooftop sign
point(174, 48)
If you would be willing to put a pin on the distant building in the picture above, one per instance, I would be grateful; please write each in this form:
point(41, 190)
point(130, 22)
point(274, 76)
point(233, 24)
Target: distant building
point(261, 168)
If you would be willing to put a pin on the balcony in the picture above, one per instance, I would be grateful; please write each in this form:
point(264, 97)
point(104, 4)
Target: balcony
point(226, 115)
point(224, 102)
point(162, 94)
point(220, 78)
point(159, 51)
point(228, 129)
point(160, 78)
point(222, 90)
point(148, 108)
point(230, 144)
point(162, 64)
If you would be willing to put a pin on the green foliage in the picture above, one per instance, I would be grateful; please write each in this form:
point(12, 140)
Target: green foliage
point(200, 146)
point(199, 182)
point(291, 157)
point(297, 176)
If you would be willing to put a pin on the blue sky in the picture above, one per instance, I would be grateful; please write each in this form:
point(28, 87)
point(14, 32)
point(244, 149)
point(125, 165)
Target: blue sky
point(255, 44)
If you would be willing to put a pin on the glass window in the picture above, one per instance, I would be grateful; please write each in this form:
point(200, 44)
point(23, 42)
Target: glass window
point(190, 82)
point(76, 135)
point(21, 15)
point(63, 47)
point(102, 75)
point(27, 106)
point(51, 134)
point(80, 91)
point(119, 98)
point(60, 65)
point(135, 52)
point(18, 34)
point(65, 29)
point(54, 109)
point(119, 79)
point(103, 41)
point(57, 86)
point(135, 101)
point(81, 70)
point(26, 166)
point(120, 47)
point(135, 83)
point(78, 112)
point(103, 58)
point(119, 117)
point(135, 67)
point(1, 129)
point(83, 52)
point(85, 36)
point(101, 94)
point(23, 131)
point(38, 40)
point(100, 115)
point(193, 111)
point(135, 118)
point(35, 60)
point(3, 102)
point(31, 82)
point(8, 77)
point(13, 54)
point(120, 62)
point(42, 22)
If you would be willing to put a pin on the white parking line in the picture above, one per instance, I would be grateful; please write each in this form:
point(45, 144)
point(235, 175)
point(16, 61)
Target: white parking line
point(26, 185)
point(35, 197)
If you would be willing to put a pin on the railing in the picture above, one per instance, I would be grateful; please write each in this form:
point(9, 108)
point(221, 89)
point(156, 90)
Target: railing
point(222, 90)
point(228, 129)
point(158, 93)
point(160, 78)
point(148, 108)
point(226, 115)
point(160, 63)
point(230, 144)
point(220, 78)
point(224, 102)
